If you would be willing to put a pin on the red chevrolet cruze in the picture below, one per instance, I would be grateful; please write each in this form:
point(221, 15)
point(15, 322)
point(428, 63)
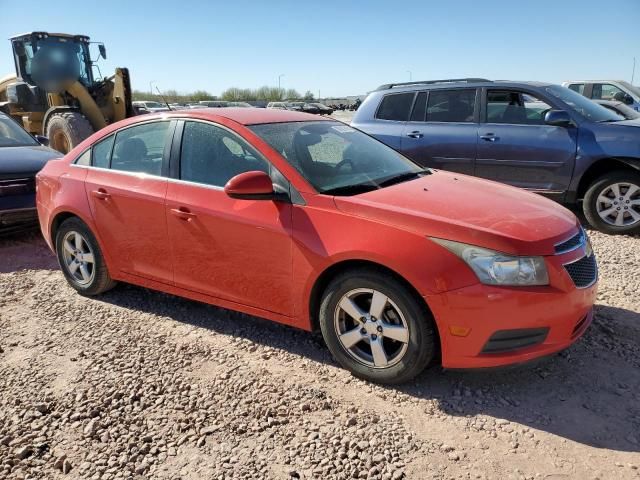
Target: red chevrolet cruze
point(311, 223)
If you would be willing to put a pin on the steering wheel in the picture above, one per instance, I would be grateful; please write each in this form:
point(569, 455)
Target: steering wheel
point(344, 163)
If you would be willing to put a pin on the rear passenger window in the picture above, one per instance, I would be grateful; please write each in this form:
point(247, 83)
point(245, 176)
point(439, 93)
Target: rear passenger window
point(140, 149)
point(395, 107)
point(102, 153)
point(451, 105)
point(419, 108)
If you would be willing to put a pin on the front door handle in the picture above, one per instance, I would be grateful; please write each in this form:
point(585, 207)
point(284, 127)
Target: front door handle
point(415, 134)
point(489, 137)
point(100, 194)
point(183, 213)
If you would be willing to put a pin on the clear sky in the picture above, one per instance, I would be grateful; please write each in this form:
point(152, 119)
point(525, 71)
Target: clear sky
point(341, 47)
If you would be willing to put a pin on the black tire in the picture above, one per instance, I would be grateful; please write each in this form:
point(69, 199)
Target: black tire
point(422, 342)
point(68, 129)
point(602, 185)
point(100, 279)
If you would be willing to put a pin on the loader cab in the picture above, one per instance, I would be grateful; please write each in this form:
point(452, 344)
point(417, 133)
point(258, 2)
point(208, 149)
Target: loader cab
point(66, 55)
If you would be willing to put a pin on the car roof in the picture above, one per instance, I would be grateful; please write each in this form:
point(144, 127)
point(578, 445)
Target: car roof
point(594, 81)
point(243, 116)
point(457, 83)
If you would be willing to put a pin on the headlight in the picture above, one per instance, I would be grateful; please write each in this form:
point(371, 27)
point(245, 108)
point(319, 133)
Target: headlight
point(495, 268)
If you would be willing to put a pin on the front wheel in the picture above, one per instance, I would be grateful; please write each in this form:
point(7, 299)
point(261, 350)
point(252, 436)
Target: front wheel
point(376, 328)
point(612, 203)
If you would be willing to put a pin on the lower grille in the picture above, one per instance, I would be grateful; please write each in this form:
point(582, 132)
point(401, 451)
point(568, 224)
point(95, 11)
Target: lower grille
point(583, 272)
point(17, 186)
point(507, 340)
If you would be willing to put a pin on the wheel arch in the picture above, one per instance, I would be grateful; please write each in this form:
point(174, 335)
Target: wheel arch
point(323, 280)
point(602, 166)
point(63, 215)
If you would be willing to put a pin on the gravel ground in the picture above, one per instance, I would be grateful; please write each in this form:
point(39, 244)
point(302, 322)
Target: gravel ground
point(138, 384)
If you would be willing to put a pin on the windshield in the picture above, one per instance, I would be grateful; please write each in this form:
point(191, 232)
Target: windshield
point(12, 135)
point(582, 105)
point(55, 58)
point(154, 105)
point(337, 159)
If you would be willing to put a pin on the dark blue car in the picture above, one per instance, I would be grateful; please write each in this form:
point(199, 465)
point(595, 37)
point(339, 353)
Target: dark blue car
point(539, 136)
point(21, 157)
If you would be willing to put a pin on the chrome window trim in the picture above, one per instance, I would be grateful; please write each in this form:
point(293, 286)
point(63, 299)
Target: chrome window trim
point(121, 172)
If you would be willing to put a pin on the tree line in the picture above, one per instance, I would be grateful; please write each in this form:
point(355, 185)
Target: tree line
point(266, 93)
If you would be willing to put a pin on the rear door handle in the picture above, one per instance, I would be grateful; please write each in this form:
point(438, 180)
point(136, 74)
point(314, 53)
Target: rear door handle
point(489, 137)
point(183, 213)
point(415, 134)
point(100, 194)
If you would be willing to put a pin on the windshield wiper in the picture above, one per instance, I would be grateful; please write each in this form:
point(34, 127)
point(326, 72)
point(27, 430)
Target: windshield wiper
point(403, 177)
point(351, 189)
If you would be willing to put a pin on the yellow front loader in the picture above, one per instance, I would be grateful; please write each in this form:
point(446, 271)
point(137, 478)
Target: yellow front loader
point(54, 92)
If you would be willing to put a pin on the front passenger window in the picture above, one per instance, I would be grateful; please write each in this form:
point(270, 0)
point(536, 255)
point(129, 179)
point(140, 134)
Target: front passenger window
point(212, 155)
point(140, 149)
point(515, 108)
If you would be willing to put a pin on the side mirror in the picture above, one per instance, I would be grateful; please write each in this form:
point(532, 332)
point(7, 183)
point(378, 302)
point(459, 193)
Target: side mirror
point(254, 185)
point(103, 50)
point(42, 140)
point(627, 99)
point(557, 118)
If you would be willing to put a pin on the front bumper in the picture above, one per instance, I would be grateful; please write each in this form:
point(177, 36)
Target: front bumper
point(17, 220)
point(545, 320)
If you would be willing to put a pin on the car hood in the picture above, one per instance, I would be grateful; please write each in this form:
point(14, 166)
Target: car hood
point(470, 210)
point(28, 159)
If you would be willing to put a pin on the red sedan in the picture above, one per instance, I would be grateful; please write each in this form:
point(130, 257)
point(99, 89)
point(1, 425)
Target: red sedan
point(311, 223)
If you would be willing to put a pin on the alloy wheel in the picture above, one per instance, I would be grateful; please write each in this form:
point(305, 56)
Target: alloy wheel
point(371, 328)
point(619, 204)
point(79, 259)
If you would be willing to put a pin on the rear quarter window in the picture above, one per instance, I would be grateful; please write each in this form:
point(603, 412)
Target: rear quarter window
point(395, 107)
point(101, 156)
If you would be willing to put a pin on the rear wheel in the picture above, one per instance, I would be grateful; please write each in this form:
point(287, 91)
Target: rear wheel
point(612, 203)
point(81, 259)
point(68, 129)
point(375, 327)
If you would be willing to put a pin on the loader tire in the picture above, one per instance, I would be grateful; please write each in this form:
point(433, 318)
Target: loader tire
point(68, 129)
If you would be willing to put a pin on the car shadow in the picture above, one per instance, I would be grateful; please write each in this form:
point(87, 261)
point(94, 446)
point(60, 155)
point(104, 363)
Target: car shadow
point(589, 393)
point(25, 250)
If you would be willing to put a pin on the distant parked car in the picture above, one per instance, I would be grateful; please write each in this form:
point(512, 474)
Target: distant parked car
point(320, 108)
point(239, 105)
point(615, 90)
point(277, 106)
point(150, 107)
point(21, 157)
point(295, 106)
point(542, 137)
point(620, 108)
point(213, 103)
